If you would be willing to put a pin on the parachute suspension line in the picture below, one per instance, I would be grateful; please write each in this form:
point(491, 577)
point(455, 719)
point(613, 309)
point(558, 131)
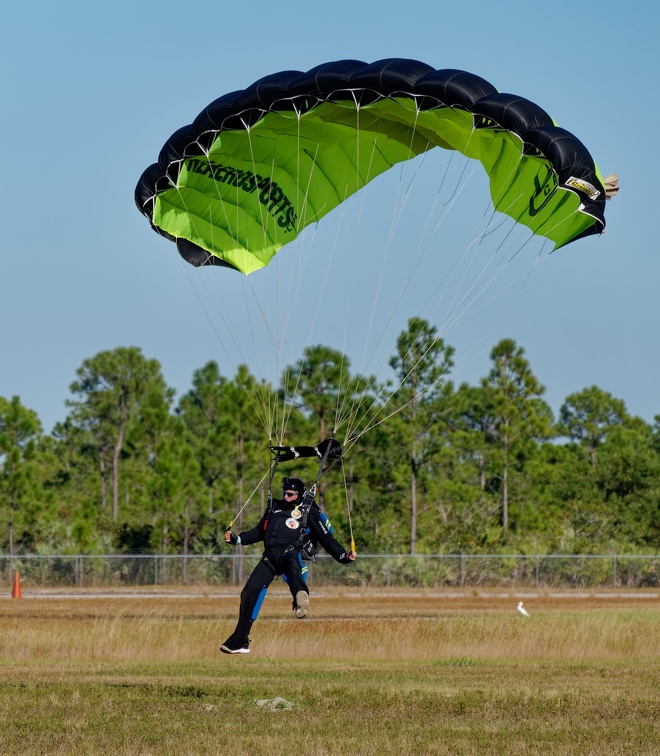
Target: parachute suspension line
point(458, 307)
point(366, 400)
point(457, 191)
point(290, 383)
point(273, 469)
point(267, 411)
point(403, 192)
point(360, 201)
point(452, 270)
point(454, 196)
point(422, 248)
point(485, 333)
point(402, 196)
point(253, 390)
point(483, 280)
point(249, 498)
point(456, 310)
point(349, 416)
point(261, 207)
point(477, 292)
point(355, 434)
point(421, 251)
point(291, 389)
point(460, 185)
point(277, 412)
point(256, 393)
point(348, 400)
point(258, 406)
point(348, 510)
point(459, 303)
point(246, 388)
point(270, 407)
point(344, 398)
point(540, 257)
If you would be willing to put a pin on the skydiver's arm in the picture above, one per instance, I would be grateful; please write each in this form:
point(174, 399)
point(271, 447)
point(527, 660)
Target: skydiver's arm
point(253, 535)
point(321, 534)
point(246, 537)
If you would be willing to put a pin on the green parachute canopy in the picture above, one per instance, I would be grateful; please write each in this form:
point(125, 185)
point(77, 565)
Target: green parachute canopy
point(259, 165)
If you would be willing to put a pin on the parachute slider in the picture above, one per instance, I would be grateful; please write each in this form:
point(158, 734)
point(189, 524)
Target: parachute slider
point(330, 449)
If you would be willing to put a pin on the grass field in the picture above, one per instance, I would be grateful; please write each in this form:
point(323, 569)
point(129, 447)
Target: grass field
point(409, 672)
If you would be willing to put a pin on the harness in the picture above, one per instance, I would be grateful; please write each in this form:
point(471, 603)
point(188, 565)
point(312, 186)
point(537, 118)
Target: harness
point(307, 549)
point(328, 449)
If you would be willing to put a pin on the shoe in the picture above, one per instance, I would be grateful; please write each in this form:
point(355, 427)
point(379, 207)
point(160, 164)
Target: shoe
point(244, 649)
point(302, 604)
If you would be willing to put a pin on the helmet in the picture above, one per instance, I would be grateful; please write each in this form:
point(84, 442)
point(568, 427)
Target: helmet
point(293, 484)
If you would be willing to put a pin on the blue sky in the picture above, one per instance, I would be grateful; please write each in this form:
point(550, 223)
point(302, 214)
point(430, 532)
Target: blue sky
point(92, 92)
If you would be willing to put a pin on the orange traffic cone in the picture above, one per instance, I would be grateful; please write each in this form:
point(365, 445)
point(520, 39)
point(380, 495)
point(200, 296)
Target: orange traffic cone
point(16, 591)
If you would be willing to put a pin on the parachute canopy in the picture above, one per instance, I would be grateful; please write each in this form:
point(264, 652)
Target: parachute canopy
point(259, 165)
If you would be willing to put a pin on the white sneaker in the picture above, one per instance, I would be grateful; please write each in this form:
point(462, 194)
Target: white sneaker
point(229, 650)
point(302, 604)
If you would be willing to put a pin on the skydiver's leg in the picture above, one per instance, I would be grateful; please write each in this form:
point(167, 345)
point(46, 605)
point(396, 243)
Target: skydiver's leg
point(252, 597)
point(295, 572)
point(292, 587)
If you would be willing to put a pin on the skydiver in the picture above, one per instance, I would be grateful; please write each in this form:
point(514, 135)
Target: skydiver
point(280, 529)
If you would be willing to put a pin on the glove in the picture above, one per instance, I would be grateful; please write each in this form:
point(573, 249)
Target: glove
point(231, 538)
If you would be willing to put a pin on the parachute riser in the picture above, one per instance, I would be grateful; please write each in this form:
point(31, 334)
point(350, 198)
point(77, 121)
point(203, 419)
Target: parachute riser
point(326, 449)
point(274, 463)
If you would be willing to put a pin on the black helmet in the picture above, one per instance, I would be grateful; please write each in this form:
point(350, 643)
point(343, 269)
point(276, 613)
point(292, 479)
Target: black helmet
point(293, 484)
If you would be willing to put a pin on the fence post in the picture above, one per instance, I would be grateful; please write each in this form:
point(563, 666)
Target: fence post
point(155, 569)
point(537, 571)
point(387, 567)
point(614, 571)
point(462, 570)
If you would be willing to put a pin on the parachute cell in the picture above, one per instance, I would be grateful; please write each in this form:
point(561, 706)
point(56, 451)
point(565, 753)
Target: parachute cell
point(259, 165)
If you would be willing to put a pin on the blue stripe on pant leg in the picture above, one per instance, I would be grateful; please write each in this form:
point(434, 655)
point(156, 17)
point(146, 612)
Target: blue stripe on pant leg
point(260, 601)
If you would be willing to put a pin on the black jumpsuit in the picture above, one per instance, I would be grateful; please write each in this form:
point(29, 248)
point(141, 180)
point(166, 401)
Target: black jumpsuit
point(280, 530)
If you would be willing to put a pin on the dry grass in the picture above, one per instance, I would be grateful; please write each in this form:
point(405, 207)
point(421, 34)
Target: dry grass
point(411, 672)
point(413, 626)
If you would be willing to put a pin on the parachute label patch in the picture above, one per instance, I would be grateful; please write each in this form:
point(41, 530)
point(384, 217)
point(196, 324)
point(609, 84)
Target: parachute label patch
point(583, 186)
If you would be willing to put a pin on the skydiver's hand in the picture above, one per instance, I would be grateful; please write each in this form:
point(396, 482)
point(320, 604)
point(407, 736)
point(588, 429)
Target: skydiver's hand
point(230, 538)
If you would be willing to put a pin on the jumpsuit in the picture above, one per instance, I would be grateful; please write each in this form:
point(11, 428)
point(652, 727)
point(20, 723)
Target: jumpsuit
point(280, 530)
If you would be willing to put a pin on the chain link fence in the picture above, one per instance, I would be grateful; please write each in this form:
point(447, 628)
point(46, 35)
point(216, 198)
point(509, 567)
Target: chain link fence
point(377, 570)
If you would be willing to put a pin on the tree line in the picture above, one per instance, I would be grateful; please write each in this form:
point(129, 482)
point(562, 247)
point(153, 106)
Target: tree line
point(441, 468)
